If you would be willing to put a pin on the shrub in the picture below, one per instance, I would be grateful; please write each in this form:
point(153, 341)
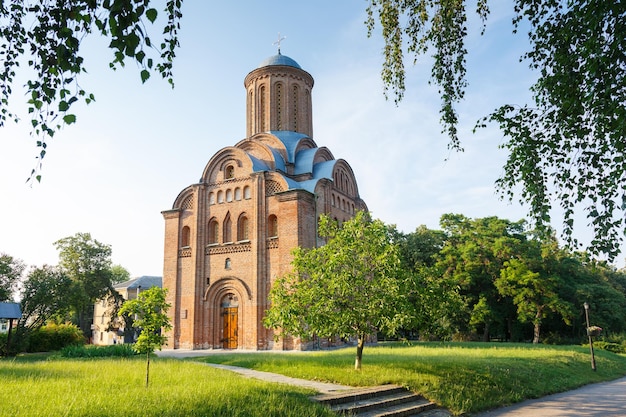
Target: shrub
point(54, 337)
point(610, 346)
point(122, 350)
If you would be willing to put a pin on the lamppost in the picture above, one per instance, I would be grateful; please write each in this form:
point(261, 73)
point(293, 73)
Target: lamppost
point(593, 358)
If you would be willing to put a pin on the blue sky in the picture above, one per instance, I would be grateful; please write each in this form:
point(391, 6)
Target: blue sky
point(133, 150)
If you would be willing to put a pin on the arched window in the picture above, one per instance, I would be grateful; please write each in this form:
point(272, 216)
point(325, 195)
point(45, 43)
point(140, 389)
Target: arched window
point(227, 263)
point(242, 228)
point(229, 195)
point(214, 231)
point(228, 225)
point(229, 172)
point(246, 192)
point(220, 196)
point(185, 236)
point(237, 193)
point(211, 198)
point(272, 226)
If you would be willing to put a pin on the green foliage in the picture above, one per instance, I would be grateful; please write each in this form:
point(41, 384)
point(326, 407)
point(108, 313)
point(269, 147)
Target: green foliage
point(425, 25)
point(119, 274)
point(44, 295)
point(92, 351)
point(87, 263)
point(47, 36)
point(54, 337)
point(351, 287)
point(565, 148)
point(150, 312)
point(10, 272)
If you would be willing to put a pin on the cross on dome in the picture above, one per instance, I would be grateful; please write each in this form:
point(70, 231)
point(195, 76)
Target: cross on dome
point(280, 39)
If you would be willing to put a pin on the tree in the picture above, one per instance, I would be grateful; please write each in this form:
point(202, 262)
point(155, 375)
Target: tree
point(47, 36)
point(534, 285)
point(149, 311)
point(473, 256)
point(44, 295)
point(87, 263)
point(567, 147)
point(350, 287)
point(433, 296)
point(119, 274)
point(10, 272)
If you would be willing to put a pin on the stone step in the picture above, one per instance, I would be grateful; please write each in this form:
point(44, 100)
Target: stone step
point(381, 401)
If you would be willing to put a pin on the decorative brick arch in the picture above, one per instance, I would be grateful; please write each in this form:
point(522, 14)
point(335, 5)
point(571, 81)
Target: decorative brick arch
point(213, 298)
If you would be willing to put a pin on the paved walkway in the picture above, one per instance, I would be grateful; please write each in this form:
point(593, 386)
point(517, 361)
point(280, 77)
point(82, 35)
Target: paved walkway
point(605, 399)
point(321, 387)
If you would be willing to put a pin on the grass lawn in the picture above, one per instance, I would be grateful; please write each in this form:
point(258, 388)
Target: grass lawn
point(463, 377)
point(40, 386)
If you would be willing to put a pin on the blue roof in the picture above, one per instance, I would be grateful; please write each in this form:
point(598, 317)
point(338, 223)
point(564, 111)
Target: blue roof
point(10, 311)
point(279, 60)
point(143, 282)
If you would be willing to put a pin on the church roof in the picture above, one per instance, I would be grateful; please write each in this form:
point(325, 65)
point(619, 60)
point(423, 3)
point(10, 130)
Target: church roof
point(279, 59)
point(301, 159)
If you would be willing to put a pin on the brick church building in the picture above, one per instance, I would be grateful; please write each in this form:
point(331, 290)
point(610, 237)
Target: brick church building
point(228, 237)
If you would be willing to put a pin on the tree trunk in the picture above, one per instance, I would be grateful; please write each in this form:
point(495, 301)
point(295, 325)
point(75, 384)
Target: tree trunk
point(537, 327)
point(147, 368)
point(486, 333)
point(359, 352)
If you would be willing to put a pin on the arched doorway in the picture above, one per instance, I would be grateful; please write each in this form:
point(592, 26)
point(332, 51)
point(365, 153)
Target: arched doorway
point(230, 313)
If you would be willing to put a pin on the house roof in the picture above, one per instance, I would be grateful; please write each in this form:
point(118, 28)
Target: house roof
point(143, 282)
point(10, 311)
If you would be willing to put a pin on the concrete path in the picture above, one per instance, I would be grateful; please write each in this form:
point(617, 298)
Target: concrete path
point(605, 399)
point(321, 387)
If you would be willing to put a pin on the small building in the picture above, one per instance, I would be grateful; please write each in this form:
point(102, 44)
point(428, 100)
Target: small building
point(8, 313)
point(107, 330)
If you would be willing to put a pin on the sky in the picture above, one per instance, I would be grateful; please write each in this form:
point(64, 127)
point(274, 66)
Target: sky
point(131, 152)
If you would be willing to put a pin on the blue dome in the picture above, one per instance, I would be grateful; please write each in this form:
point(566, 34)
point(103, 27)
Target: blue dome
point(279, 60)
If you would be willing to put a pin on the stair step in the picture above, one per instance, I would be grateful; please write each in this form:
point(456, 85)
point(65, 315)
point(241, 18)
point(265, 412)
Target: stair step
point(416, 407)
point(358, 394)
point(381, 401)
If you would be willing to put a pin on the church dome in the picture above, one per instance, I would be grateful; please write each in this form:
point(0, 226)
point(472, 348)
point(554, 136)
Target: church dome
point(279, 59)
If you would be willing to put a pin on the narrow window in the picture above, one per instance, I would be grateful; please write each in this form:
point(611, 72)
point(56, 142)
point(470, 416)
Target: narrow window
point(246, 193)
point(242, 228)
point(227, 263)
point(220, 197)
point(272, 226)
point(229, 173)
point(211, 198)
point(228, 224)
point(237, 193)
point(229, 195)
point(213, 231)
point(185, 236)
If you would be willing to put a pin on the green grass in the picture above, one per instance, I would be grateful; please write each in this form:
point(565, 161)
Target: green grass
point(463, 377)
point(40, 386)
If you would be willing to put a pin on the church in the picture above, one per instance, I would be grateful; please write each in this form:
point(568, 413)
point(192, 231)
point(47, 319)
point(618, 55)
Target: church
point(228, 237)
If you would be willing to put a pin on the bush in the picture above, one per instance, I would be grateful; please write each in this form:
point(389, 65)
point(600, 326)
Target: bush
point(54, 337)
point(98, 351)
point(610, 346)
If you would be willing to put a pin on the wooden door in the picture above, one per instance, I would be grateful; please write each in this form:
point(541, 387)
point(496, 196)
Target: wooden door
point(230, 328)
